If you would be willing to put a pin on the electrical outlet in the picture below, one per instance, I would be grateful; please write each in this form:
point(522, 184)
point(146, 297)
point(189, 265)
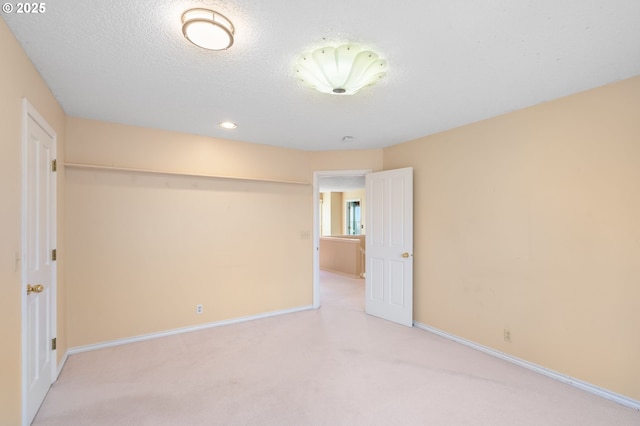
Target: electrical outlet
point(507, 335)
point(198, 309)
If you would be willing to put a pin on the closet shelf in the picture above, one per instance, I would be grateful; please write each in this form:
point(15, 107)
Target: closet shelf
point(170, 173)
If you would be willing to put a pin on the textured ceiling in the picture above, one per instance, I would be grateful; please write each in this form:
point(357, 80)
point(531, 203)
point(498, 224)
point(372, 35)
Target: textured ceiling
point(450, 63)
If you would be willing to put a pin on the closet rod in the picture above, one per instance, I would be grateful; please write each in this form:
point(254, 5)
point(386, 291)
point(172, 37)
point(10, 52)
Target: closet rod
point(161, 172)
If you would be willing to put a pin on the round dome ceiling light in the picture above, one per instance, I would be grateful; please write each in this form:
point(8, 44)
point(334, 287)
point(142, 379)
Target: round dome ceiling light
point(207, 29)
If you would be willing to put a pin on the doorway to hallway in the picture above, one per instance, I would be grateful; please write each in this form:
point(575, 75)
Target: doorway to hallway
point(329, 182)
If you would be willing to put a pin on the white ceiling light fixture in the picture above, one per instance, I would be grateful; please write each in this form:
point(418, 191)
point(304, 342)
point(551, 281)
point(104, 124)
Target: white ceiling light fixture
point(228, 125)
point(342, 70)
point(207, 29)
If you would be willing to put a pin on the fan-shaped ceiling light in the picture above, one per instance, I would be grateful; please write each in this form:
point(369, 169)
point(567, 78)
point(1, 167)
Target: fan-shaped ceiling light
point(207, 29)
point(340, 70)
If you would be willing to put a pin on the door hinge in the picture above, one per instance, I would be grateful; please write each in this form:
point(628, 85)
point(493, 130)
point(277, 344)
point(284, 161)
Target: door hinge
point(54, 166)
point(54, 344)
point(54, 254)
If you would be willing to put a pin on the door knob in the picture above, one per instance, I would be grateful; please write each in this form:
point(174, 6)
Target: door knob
point(405, 254)
point(38, 288)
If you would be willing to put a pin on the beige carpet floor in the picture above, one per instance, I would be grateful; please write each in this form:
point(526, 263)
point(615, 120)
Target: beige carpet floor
point(331, 366)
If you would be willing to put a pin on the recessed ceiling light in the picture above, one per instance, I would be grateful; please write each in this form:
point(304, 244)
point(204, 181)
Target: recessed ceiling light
point(228, 125)
point(207, 29)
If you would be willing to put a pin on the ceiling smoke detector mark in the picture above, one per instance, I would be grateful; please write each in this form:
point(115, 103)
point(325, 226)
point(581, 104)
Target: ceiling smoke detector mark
point(348, 139)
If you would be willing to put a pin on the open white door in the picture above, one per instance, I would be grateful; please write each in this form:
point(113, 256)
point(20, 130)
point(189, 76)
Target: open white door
point(389, 254)
point(38, 267)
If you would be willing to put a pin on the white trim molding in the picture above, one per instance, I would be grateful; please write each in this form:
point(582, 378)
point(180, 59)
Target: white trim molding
point(61, 364)
point(612, 396)
point(150, 336)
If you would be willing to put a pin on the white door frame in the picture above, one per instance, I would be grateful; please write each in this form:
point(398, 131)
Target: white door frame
point(29, 111)
point(316, 224)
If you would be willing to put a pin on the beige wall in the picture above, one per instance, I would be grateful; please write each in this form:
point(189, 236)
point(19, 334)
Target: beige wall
point(336, 213)
point(19, 79)
point(342, 255)
point(145, 249)
point(97, 142)
point(531, 222)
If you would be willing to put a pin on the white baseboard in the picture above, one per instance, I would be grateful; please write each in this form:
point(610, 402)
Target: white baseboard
point(61, 364)
point(612, 396)
point(149, 336)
